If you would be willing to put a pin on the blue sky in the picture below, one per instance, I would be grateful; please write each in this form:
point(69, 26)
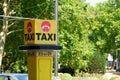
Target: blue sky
point(93, 2)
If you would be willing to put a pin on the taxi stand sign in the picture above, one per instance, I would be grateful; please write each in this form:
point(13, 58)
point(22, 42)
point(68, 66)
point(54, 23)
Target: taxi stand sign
point(40, 32)
point(40, 42)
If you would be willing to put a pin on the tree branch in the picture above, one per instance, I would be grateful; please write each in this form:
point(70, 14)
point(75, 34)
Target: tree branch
point(12, 24)
point(13, 31)
point(9, 0)
point(1, 4)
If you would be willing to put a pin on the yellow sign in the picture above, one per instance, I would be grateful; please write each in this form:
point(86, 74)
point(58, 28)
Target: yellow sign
point(40, 67)
point(40, 32)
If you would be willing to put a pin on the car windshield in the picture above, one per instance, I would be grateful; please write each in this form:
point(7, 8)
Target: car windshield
point(22, 77)
point(13, 77)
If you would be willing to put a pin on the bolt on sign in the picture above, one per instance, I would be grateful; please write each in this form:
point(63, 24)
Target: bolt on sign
point(40, 32)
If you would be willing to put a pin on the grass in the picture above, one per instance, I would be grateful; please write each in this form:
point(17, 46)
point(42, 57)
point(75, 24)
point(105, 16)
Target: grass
point(92, 76)
point(115, 78)
point(65, 76)
point(1, 78)
point(85, 76)
point(109, 75)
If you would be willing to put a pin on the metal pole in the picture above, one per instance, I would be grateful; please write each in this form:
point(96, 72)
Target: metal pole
point(116, 59)
point(56, 53)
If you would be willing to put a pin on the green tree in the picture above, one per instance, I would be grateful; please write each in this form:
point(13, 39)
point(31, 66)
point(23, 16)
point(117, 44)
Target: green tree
point(73, 35)
point(105, 28)
point(13, 32)
point(97, 63)
point(84, 31)
point(40, 9)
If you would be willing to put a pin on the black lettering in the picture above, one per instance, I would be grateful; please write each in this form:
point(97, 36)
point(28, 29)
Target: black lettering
point(25, 36)
point(33, 37)
point(54, 37)
point(29, 36)
point(38, 36)
point(43, 37)
point(50, 36)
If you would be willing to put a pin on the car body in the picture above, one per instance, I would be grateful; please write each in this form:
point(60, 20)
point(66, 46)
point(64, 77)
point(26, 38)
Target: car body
point(118, 70)
point(14, 76)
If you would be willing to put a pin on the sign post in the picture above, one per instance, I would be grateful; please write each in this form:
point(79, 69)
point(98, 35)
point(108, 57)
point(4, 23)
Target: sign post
point(40, 43)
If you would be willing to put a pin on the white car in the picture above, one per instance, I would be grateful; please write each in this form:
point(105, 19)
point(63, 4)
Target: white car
point(14, 76)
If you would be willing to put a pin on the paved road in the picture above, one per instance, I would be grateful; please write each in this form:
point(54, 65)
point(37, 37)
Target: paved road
point(112, 74)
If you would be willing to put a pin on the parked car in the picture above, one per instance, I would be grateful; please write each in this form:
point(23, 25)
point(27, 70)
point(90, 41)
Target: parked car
point(15, 76)
point(118, 70)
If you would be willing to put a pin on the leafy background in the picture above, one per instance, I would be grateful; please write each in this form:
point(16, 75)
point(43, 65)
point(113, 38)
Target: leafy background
point(86, 33)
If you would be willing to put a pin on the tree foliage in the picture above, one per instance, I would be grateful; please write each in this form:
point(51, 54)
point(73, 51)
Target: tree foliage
point(86, 33)
point(16, 60)
point(73, 36)
point(96, 29)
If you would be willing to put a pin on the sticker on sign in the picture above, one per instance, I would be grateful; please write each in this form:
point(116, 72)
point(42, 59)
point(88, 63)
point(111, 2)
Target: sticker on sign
point(29, 27)
point(45, 26)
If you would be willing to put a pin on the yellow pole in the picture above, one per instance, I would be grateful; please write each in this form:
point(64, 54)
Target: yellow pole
point(40, 65)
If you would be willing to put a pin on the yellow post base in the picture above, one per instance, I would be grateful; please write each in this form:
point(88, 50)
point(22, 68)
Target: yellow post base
point(40, 65)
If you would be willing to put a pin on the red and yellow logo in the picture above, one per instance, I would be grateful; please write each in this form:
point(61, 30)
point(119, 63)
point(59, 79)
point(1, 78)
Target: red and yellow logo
point(45, 26)
point(29, 27)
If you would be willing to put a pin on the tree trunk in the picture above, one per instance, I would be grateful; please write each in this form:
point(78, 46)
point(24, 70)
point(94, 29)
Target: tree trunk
point(3, 34)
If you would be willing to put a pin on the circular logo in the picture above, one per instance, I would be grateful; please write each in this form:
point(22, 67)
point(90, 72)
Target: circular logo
point(45, 26)
point(29, 27)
